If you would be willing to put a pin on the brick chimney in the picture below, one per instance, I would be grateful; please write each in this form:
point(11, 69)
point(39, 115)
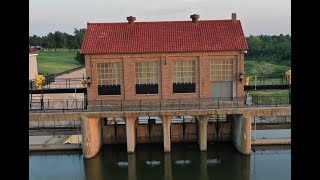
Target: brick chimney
point(234, 16)
point(194, 17)
point(131, 19)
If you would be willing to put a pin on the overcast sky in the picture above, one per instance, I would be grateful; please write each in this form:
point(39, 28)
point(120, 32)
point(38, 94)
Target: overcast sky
point(270, 17)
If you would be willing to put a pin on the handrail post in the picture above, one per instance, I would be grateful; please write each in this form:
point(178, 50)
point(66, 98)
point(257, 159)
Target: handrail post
point(48, 104)
point(101, 105)
point(179, 104)
point(237, 102)
point(199, 103)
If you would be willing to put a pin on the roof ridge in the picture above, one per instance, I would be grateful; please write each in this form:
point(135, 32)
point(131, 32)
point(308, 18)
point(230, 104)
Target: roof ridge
point(207, 20)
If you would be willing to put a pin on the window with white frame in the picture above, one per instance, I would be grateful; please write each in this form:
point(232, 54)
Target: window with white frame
point(184, 77)
point(147, 77)
point(108, 78)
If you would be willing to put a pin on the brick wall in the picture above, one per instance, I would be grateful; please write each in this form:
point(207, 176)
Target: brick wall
point(128, 80)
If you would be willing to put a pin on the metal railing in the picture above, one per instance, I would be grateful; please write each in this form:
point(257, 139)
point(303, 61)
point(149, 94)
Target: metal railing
point(268, 79)
point(157, 104)
point(56, 83)
point(52, 82)
point(57, 105)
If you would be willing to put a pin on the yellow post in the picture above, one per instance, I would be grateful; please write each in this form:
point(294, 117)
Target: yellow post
point(84, 83)
point(246, 80)
point(288, 76)
point(39, 81)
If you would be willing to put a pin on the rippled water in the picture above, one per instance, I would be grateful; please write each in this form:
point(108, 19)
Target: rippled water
point(221, 161)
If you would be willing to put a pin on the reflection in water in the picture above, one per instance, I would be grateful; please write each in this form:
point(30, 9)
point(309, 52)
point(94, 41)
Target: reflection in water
point(182, 162)
point(222, 161)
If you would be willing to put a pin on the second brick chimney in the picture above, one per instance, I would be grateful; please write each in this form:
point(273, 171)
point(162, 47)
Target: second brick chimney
point(131, 19)
point(194, 17)
point(234, 16)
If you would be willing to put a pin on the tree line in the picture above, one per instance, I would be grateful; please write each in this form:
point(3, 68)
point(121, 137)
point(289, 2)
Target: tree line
point(272, 49)
point(59, 40)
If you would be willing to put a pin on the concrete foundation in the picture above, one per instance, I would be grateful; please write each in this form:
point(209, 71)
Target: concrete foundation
point(131, 133)
point(91, 133)
point(241, 133)
point(203, 122)
point(166, 123)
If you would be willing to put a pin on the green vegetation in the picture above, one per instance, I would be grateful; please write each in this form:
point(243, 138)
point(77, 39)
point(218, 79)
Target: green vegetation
point(271, 49)
point(53, 62)
point(270, 92)
point(59, 40)
point(79, 58)
point(270, 97)
point(268, 54)
point(262, 68)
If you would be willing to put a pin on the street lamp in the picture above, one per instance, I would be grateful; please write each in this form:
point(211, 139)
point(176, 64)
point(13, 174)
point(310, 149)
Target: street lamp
point(88, 81)
point(240, 77)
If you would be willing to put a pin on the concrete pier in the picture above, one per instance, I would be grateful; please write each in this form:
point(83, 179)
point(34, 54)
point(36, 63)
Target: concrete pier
point(91, 133)
point(132, 174)
point(166, 124)
point(241, 133)
point(131, 133)
point(203, 166)
point(203, 122)
point(167, 166)
point(94, 167)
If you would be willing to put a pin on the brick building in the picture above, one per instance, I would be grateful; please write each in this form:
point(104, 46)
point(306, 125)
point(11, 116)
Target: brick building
point(165, 60)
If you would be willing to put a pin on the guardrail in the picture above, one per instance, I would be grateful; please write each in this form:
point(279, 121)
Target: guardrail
point(268, 79)
point(157, 104)
point(56, 83)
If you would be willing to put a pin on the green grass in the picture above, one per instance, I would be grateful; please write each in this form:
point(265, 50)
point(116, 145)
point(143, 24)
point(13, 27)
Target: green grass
point(51, 62)
point(270, 97)
point(261, 67)
point(270, 92)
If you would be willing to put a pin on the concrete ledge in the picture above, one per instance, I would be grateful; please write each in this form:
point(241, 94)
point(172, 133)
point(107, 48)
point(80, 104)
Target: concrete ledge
point(55, 147)
point(261, 111)
point(278, 141)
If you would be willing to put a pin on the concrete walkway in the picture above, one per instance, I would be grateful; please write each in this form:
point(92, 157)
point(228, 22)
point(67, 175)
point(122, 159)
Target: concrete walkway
point(275, 141)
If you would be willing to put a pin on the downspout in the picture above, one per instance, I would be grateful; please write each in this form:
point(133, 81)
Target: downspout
point(123, 83)
point(161, 95)
point(198, 74)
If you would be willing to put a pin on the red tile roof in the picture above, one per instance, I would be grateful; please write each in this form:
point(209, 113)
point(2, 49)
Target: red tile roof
point(167, 36)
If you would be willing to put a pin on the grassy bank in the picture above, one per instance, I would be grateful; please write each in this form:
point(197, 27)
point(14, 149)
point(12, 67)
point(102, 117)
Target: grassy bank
point(52, 62)
point(280, 92)
point(262, 67)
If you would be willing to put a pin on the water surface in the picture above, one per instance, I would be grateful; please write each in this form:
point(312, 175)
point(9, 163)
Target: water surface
point(221, 161)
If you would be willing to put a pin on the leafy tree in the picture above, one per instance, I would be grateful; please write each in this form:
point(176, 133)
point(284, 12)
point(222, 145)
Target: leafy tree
point(59, 40)
point(271, 49)
point(80, 58)
point(35, 40)
point(78, 37)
